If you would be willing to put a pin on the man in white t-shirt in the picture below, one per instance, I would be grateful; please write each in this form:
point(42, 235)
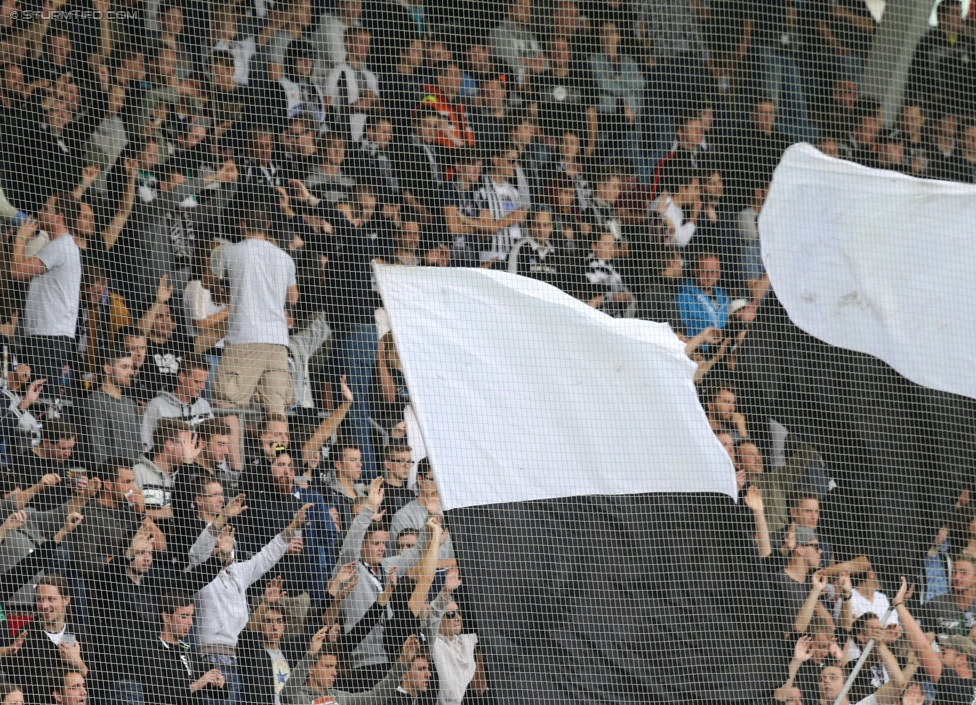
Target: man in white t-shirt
point(54, 273)
point(262, 284)
point(867, 598)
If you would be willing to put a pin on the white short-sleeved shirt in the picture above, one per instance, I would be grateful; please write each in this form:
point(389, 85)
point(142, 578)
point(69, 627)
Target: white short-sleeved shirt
point(861, 605)
point(260, 275)
point(54, 296)
point(199, 304)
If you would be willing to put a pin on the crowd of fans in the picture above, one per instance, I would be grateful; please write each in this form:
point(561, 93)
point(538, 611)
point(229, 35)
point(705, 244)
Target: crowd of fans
point(214, 488)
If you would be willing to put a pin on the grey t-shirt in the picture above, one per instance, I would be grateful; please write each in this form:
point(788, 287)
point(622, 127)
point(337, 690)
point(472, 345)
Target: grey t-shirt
point(53, 297)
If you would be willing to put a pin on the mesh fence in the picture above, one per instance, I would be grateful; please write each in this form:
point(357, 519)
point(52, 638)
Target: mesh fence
point(700, 433)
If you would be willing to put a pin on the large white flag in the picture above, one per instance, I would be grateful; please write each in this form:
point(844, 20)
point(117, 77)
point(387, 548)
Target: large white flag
point(522, 392)
point(876, 262)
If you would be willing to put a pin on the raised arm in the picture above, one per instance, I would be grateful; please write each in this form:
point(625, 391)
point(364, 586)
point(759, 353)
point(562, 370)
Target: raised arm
point(802, 652)
point(163, 293)
point(112, 231)
point(927, 658)
point(846, 619)
point(272, 596)
point(384, 690)
point(329, 424)
point(432, 622)
point(424, 571)
point(754, 501)
point(861, 564)
point(353, 543)
point(818, 584)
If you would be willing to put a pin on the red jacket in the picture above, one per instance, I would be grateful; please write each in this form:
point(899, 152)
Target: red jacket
point(456, 117)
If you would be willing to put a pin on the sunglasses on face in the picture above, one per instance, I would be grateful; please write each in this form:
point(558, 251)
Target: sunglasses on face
point(452, 614)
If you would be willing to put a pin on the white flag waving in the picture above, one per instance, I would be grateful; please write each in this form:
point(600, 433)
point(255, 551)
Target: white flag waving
point(876, 262)
point(524, 393)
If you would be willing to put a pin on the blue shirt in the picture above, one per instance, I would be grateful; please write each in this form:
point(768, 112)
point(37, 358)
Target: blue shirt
point(699, 311)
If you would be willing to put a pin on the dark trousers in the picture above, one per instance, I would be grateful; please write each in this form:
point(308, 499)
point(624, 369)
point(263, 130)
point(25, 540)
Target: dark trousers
point(48, 355)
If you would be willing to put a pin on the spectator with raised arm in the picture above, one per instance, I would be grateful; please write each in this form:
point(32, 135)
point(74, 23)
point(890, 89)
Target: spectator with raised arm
point(314, 677)
point(222, 605)
point(123, 603)
point(54, 292)
point(950, 669)
point(176, 445)
point(881, 666)
point(460, 668)
point(792, 582)
point(365, 543)
point(264, 667)
point(414, 515)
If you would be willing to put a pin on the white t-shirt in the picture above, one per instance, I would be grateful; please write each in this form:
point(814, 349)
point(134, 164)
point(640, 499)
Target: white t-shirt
point(199, 304)
point(260, 274)
point(53, 297)
point(455, 666)
point(861, 605)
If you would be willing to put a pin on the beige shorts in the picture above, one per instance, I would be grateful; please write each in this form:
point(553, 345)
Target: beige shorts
point(250, 367)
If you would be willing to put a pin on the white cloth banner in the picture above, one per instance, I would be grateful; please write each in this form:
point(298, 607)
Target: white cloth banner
point(523, 393)
point(876, 262)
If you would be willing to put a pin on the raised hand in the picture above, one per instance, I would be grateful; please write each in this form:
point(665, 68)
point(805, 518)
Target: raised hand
point(303, 191)
point(88, 488)
point(315, 645)
point(845, 584)
point(273, 592)
point(790, 540)
point(235, 506)
point(228, 172)
point(905, 592)
point(819, 581)
point(376, 494)
point(345, 574)
point(754, 500)
point(27, 228)
point(803, 651)
point(434, 528)
point(346, 392)
point(32, 394)
point(72, 521)
point(164, 291)
point(71, 654)
point(89, 174)
point(835, 650)
point(14, 646)
point(452, 581)
point(410, 648)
